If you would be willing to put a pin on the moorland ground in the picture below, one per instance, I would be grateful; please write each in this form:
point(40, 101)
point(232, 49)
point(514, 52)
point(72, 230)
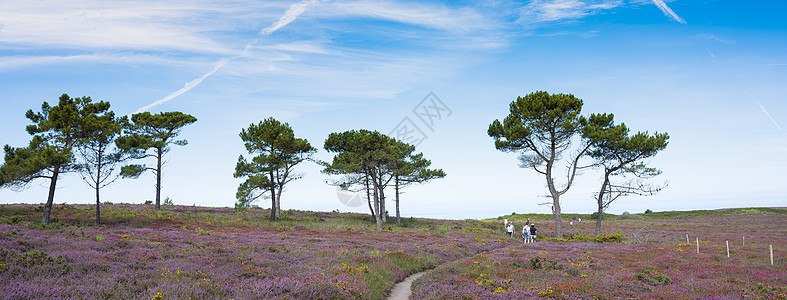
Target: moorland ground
point(184, 252)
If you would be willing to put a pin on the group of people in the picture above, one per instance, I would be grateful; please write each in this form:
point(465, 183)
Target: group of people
point(528, 231)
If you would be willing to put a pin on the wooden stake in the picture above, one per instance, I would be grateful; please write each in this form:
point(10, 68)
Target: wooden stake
point(771, 255)
point(744, 241)
point(728, 248)
point(687, 239)
point(698, 245)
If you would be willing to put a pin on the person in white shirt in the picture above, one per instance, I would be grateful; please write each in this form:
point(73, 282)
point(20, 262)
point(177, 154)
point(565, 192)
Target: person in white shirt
point(510, 229)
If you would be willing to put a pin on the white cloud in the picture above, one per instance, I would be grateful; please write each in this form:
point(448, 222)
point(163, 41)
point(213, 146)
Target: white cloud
point(546, 11)
point(139, 25)
point(668, 11)
point(15, 62)
point(414, 13)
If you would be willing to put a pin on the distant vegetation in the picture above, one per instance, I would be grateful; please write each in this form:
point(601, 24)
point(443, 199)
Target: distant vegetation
point(651, 215)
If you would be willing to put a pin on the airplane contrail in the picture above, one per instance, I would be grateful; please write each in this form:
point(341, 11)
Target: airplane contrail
point(766, 112)
point(668, 11)
point(188, 86)
point(289, 16)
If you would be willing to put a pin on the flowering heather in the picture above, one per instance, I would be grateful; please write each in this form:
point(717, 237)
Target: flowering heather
point(216, 253)
point(653, 262)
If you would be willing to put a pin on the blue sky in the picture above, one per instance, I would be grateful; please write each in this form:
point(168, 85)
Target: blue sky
point(713, 74)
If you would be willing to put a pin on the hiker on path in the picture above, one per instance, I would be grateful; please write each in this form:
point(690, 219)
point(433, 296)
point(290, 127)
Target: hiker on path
point(526, 233)
point(533, 232)
point(510, 229)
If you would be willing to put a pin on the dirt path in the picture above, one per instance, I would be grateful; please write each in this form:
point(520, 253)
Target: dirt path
point(401, 290)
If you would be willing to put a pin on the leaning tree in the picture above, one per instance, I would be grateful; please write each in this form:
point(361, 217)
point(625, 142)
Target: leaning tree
point(56, 131)
point(151, 132)
point(277, 152)
point(541, 127)
point(622, 157)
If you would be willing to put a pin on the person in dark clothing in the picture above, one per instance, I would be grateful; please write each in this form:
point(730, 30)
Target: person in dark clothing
point(533, 232)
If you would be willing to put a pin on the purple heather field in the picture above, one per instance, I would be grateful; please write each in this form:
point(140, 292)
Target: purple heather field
point(216, 253)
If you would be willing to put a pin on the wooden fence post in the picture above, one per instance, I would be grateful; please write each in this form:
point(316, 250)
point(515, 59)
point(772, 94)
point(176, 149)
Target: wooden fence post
point(698, 245)
point(728, 248)
point(771, 255)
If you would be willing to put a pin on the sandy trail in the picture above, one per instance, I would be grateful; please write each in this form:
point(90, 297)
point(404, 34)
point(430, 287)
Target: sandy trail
point(401, 290)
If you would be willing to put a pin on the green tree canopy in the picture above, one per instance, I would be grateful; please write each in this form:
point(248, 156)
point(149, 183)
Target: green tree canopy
point(151, 132)
point(277, 152)
point(541, 127)
point(56, 131)
point(621, 155)
point(411, 168)
point(364, 153)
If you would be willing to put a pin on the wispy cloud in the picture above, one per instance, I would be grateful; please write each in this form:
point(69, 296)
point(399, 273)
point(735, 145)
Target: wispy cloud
point(26, 61)
point(114, 25)
point(289, 16)
point(546, 11)
point(668, 11)
point(425, 15)
point(710, 36)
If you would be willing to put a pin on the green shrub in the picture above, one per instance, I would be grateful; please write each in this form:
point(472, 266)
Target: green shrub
point(15, 219)
point(30, 258)
point(611, 238)
point(536, 262)
point(653, 279)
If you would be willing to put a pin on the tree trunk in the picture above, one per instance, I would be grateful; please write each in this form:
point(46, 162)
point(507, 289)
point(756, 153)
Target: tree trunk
point(158, 177)
point(278, 192)
point(273, 196)
point(51, 198)
point(601, 203)
point(98, 206)
point(369, 199)
point(383, 213)
point(558, 219)
point(555, 198)
point(377, 211)
point(278, 203)
point(396, 187)
point(98, 186)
